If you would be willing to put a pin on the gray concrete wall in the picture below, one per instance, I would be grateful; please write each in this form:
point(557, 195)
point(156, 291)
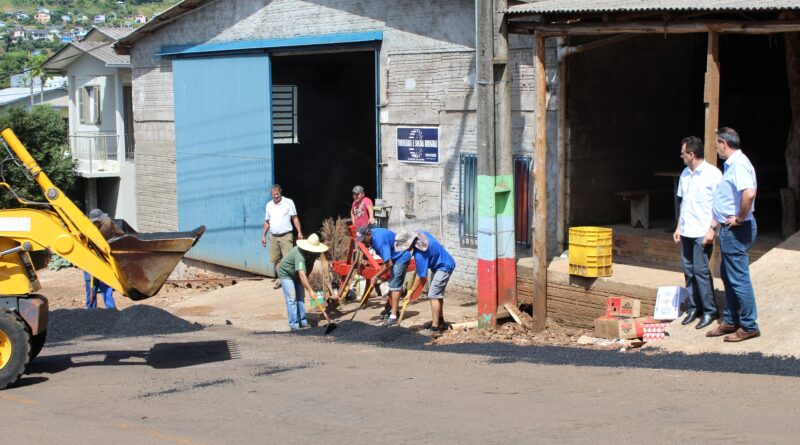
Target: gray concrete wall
point(427, 75)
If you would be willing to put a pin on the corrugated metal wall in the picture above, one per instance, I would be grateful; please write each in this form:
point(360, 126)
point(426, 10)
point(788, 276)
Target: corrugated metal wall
point(223, 142)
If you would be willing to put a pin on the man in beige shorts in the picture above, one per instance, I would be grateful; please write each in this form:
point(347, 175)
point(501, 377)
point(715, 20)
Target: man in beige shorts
point(279, 216)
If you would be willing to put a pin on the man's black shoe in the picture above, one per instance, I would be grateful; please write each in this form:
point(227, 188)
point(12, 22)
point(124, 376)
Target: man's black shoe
point(706, 321)
point(691, 315)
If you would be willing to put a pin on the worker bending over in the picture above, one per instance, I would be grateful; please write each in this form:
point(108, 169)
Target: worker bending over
point(428, 254)
point(382, 241)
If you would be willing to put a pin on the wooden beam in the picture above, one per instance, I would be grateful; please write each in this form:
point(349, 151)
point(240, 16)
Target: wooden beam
point(711, 97)
point(540, 189)
point(575, 29)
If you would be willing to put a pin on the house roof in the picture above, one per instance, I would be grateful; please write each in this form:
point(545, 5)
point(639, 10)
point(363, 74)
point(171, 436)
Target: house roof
point(11, 95)
point(99, 50)
point(186, 6)
point(606, 6)
point(112, 33)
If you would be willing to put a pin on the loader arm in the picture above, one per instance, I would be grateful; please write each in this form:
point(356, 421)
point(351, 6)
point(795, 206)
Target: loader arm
point(136, 265)
point(45, 230)
point(74, 220)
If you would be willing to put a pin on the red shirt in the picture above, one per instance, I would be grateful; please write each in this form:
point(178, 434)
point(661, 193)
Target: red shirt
point(360, 213)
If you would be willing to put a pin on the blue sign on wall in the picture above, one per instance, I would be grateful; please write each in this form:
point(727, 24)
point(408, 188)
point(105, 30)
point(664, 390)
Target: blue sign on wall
point(418, 144)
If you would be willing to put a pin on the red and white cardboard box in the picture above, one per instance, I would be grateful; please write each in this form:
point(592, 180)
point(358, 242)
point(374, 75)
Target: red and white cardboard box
point(623, 307)
point(653, 331)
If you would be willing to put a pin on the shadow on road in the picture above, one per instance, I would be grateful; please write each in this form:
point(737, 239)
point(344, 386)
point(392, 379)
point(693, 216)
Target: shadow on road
point(502, 353)
point(160, 356)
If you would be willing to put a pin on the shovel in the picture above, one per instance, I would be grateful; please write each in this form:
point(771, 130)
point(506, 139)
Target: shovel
point(363, 300)
point(331, 325)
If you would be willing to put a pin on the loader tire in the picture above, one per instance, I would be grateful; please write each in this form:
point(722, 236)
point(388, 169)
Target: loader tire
point(37, 343)
point(15, 347)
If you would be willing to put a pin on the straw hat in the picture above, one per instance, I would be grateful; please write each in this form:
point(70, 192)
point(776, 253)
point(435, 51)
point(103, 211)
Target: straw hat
point(404, 240)
point(312, 244)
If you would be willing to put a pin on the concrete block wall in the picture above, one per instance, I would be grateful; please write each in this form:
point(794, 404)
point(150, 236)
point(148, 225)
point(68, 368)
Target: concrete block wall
point(427, 78)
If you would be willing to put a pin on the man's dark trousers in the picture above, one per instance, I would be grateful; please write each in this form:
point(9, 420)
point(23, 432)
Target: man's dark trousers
point(699, 283)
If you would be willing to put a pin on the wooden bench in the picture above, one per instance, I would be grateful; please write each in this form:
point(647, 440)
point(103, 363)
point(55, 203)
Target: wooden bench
point(640, 205)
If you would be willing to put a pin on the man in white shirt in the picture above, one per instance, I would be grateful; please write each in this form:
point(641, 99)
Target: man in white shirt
point(280, 215)
point(734, 203)
point(696, 188)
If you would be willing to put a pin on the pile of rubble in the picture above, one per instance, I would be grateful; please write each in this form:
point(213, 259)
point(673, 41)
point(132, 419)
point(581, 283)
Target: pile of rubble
point(139, 320)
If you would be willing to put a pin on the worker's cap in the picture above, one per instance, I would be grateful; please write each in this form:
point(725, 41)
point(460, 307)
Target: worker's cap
point(405, 240)
point(312, 244)
point(96, 215)
point(362, 232)
point(358, 189)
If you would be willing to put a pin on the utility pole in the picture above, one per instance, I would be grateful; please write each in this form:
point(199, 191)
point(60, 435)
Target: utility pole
point(497, 277)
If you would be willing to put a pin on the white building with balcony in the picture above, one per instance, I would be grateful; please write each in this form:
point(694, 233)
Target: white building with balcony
point(101, 120)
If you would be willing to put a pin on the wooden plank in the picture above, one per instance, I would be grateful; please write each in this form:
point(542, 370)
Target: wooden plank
point(711, 97)
point(789, 221)
point(518, 316)
point(539, 228)
point(735, 27)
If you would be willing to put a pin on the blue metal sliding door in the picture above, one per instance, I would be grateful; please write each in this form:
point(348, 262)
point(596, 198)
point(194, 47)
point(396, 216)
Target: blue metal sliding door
point(224, 161)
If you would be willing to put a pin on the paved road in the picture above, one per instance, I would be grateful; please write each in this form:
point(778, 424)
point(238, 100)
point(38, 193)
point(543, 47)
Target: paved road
point(364, 384)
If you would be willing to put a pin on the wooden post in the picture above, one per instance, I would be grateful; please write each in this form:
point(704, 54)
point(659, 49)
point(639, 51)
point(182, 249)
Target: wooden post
point(711, 97)
point(540, 189)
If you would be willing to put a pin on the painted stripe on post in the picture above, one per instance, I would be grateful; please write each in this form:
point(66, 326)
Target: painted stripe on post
point(506, 244)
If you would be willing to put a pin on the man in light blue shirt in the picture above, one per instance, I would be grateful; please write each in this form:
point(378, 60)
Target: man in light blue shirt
point(734, 202)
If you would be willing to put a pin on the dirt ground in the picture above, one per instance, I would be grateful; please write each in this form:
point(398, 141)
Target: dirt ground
point(207, 298)
point(776, 282)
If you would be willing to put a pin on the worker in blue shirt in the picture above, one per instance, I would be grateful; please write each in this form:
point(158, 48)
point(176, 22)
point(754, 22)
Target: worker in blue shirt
point(382, 241)
point(429, 254)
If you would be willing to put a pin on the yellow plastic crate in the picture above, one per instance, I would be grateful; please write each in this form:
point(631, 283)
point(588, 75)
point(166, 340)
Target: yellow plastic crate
point(590, 251)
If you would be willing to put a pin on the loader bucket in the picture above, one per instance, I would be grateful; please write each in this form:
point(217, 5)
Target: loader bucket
point(146, 260)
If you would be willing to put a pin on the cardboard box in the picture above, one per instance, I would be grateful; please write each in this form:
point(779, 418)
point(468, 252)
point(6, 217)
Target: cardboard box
point(668, 302)
point(654, 331)
point(615, 327)
point(623, 307)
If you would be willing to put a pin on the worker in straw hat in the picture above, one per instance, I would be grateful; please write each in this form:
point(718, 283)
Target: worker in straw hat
point(293, 272)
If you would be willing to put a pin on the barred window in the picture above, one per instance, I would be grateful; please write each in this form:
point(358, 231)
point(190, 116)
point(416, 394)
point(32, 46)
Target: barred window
point(284, 114)
point(468, 199)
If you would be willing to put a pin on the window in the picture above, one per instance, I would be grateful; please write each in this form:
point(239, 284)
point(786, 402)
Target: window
point(90, 104)
point(284, 114)
point(468, 199)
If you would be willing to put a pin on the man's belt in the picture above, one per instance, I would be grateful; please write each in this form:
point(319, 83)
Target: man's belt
point(281, 234)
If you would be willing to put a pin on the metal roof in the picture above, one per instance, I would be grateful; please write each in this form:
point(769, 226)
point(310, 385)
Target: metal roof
point(11, 95)
point(604, 6)
point(114, 33)
point(101, 51)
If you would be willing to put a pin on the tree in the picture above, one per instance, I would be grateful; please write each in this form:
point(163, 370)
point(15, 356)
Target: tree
point(36, 71)
point(44, 133)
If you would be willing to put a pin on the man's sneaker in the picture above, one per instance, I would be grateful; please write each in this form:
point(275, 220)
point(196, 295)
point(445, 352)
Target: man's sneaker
point(389, 321)
point(431, 331)
point(385, 313)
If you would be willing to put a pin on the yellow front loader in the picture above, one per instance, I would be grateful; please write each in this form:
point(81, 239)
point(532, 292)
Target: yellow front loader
point(134, 264)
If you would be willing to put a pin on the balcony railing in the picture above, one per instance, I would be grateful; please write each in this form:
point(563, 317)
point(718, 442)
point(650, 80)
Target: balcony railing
point(98, 152)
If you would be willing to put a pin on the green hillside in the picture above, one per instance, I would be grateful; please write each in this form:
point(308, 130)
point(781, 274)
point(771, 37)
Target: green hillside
point(88, 7)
